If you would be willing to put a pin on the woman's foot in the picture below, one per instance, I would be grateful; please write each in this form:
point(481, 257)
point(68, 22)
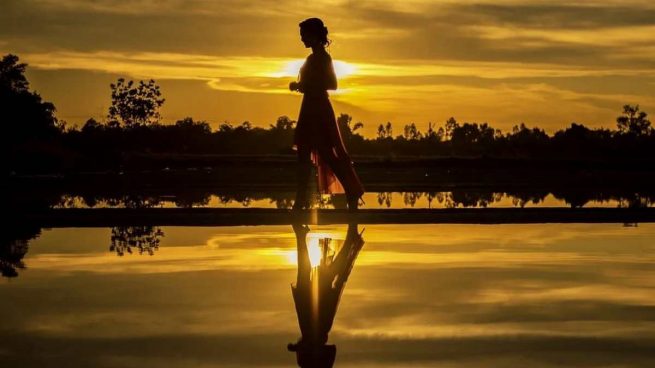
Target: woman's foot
point(354, 202)
point(301, 230)
point(300, 204)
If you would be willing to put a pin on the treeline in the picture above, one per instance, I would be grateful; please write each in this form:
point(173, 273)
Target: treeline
point(456, 198)
point(35, 140)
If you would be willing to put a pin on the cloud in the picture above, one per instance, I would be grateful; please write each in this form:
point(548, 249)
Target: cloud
point(513, 54)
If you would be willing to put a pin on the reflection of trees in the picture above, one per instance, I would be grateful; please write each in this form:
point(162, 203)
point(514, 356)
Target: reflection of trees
point(410, 198)
point(431, 196)
point(90, 201)
point(284, 203)
point(575, 196)
point(144, 239)
point(635, 200)
point(467, 198)
point(386, 198)
point(575, 199)
point(521, 199)
point(14, 243)
point(460, 198)
point(135, 201)
point(321, 201)
point(191, 199)
point(242, 198)
point(11, 257)
point(579, 198)
point(67, 201)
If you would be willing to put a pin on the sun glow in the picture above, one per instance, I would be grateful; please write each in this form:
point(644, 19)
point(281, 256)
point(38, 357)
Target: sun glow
point(314, 248)
point(292, 68)
point(314, 251)
point(343, 69)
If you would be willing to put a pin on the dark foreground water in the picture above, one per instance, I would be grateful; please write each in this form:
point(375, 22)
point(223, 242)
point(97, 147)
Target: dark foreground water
point(550, 295)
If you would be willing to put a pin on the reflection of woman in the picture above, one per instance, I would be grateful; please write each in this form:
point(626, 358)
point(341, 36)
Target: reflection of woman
point(317, 138)
point(317, 292)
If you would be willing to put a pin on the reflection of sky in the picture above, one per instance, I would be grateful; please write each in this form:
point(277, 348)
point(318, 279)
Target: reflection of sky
point(446, 295)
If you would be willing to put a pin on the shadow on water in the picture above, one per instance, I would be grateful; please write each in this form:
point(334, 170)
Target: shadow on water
point(317, 292)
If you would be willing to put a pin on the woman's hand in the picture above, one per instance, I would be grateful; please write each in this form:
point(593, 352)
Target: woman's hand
point(293, 86)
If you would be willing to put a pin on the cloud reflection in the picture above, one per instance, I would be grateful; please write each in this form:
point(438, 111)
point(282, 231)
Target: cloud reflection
point(455, 295)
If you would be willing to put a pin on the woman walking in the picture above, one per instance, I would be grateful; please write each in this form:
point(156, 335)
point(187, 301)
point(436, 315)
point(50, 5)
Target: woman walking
point(317, 138)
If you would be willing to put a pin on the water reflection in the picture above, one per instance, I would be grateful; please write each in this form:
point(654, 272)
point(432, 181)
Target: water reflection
point(144, 239)
point(460, 296)
point(14, 243)
point(316, 294)
point(466, 198)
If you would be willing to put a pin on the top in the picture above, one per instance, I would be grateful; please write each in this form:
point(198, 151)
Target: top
point(317, 74)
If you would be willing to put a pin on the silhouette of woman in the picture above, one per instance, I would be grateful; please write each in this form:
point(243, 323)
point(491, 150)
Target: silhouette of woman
point(317, 138)
point(317, 293)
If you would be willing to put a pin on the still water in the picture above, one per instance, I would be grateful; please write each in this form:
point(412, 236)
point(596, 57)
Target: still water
point(551, 295)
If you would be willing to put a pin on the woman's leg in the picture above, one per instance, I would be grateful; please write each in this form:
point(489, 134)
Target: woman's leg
point(303, 172)
point(345, 172)
point(304, 264)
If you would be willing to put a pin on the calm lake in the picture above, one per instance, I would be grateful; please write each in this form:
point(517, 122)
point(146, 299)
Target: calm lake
point(551, 295)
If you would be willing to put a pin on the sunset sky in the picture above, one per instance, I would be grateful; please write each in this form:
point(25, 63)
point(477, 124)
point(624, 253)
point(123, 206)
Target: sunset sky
point(545, 63)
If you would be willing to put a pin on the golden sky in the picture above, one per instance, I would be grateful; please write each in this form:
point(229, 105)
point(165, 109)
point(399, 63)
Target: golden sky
point(545, 63)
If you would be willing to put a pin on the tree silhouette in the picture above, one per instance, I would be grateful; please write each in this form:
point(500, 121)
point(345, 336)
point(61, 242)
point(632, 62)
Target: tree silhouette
point(91, 125)
point(12, 74)
point(283, 123)
point(449, 127)
point(385, 131)
point(388, 131)
point(344, 121)
point(24, 116)
point(134, 105)
point(347, 129)
point(34, 140)
point(633, 121)
point(434, 135)
point(411, 132)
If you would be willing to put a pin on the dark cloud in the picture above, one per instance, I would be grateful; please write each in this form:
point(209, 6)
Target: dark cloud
point(376, 32)
point(557, 16)
point(242, 28)
point(229, 31)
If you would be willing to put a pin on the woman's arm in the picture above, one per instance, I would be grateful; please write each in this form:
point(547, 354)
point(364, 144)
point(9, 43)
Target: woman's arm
point(296, 86)
point(300, 84)
point(316, 75)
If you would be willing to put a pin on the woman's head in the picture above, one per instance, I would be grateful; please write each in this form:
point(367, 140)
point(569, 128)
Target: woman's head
point(313, 31)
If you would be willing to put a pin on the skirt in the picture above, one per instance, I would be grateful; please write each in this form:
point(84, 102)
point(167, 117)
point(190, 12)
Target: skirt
point(317, 131)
